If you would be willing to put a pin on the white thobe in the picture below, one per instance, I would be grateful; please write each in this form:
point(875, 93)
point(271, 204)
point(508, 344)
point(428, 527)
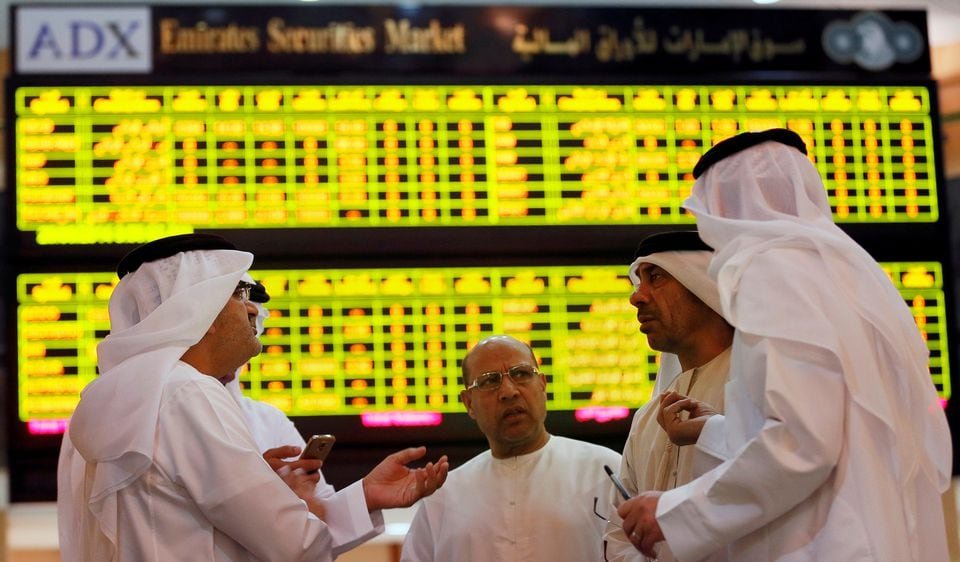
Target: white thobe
point(809, 475)
point(652, 462)
point(530, 508)
point(345, 511)
point(208, 494)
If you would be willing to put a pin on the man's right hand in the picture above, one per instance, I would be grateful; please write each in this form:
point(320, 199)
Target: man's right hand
point(301, 476)
point(683, 430)
point(304, 486)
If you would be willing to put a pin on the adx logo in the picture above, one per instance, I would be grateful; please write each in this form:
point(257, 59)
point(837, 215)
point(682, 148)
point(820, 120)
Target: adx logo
point(89, 40)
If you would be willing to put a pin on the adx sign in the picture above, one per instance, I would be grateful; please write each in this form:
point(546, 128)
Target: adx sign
point(83, 40)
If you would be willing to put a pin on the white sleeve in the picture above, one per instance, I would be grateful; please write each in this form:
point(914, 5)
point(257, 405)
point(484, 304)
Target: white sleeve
point(788, 407)
point(711, 440)
point(711, 447)
point(70, 475)
point(418, 544)
point(350, 523)
point(215, 459)
point(284, 432)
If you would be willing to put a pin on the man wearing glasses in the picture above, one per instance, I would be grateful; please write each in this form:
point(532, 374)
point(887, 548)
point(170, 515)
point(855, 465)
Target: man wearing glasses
point(529, 497)
point(169, 469)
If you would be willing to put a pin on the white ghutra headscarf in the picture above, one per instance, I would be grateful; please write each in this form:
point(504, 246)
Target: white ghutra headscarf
point(770, 197)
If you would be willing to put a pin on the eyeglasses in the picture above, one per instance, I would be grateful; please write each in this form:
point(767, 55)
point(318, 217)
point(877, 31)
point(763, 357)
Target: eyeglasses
point(519, 374)
point(606, 519)
point(242, 292)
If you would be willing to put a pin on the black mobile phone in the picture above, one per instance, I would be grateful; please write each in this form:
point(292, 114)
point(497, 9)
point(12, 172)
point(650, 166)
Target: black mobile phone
point(318, 447)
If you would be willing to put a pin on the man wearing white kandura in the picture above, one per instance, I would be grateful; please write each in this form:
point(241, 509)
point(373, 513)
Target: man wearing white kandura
point(531, 497)
point(158, 463)
point(835, 443)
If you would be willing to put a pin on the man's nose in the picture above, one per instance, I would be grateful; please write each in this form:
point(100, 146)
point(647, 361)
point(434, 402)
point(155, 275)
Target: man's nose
point(508, 388)
point(639, 295)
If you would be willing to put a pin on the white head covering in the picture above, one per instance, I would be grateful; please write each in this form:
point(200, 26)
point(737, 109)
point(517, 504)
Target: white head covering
point(770, 197)
point(156, 314)
point(690, 269)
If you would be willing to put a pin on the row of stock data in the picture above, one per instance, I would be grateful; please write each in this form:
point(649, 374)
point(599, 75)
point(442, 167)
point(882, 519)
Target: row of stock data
point(94, 159)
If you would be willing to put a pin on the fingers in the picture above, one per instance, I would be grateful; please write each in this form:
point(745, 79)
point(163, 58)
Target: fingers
point(428, 483)
point(432, 476)
point(443, 467)
point(670, 397)
point(310, 466)
point(301, 483)
point(284, 452)
point(646, 543)
point(674, 409)
point(306, 475)
point(408, 455)
point(704, 409)
point(671, 403)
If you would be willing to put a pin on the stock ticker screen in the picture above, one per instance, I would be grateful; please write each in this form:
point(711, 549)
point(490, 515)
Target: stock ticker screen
point(101, 166)
point(384, 344)
point(128, 164)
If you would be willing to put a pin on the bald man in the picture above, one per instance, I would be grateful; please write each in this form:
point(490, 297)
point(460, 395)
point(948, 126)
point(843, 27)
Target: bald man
point(530, 497)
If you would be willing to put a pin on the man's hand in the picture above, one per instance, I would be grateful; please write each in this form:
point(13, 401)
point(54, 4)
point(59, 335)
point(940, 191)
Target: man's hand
point(301, 476)
point(639, 515)
point(391, 484)
point(275, 458)
point(304, 486)
point(683, 430)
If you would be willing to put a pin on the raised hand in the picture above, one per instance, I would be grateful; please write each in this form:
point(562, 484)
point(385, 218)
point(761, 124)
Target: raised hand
point(392, 484)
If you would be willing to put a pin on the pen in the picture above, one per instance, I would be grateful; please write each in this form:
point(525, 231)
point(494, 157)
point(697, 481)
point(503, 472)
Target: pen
point(617, 483)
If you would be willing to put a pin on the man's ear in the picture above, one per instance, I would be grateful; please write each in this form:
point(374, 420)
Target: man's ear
point(468, 402)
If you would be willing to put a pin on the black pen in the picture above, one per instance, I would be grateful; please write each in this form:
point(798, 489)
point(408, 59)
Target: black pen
point(617, 483)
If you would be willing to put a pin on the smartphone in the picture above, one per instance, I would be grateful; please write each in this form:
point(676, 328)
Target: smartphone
point(318, 447)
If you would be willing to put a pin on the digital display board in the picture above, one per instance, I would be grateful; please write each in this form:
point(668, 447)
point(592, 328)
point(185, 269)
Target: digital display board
point(128, 164)
point(387, 343)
